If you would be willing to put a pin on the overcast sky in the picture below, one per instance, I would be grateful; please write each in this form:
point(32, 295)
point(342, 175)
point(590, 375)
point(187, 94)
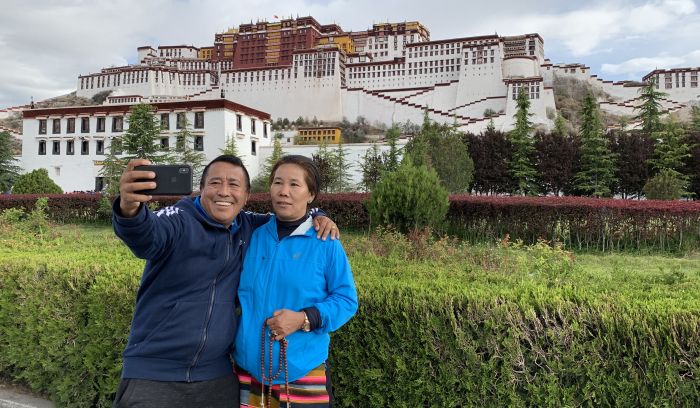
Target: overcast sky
point(46, 44)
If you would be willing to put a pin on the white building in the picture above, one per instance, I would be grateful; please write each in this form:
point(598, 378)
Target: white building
point(71, 142)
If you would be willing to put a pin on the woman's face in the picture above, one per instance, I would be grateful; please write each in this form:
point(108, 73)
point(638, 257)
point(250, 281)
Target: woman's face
point(290, 193)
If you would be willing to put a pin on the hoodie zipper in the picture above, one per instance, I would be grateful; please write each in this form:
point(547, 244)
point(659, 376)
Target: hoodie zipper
point(203, 342)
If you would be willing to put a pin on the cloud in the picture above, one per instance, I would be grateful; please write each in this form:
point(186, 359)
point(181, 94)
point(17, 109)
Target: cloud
point(636, 67)
point(46, 44)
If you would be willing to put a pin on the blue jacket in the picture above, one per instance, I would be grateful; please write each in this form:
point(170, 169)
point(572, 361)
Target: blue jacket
point(293, 273)
point(184, 322)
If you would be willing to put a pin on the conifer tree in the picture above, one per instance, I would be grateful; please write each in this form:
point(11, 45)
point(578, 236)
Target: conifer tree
point(695, 119)
point(9, 169)
point(444, 149)
point(650, 108)
point(391, 160)
point(262, 182)
point(185, 153)
point(372, 166)
point(343, 165)
point(230, 147)
point(560, 125)
point(521, 166)
point(670, 155)
point(325, 162)
point(139, 141)
point(597, 172)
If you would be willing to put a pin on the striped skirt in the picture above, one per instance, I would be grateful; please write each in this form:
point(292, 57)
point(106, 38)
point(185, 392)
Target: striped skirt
point(309, 391)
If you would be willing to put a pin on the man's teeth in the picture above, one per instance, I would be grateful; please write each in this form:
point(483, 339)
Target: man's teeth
point(224, 203)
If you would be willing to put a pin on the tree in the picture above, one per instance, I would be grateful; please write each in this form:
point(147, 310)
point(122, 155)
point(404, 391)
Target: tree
point(185, 153)
point(9, 170)
point(671, 153)
point(490, 152)
point(325, 162)
point(633, 151)
point(262, 182)
point(35, 182)
point(664, 186)
point(372, 166)
point(409, 199)
point(693, 166)
point(560, 125)
point(555, 160)
point(597, 172)
point(521, 165)
point(650, 108)
point(142, 136)
point(442, 148)
point(695, 119)
point(139, 141)
point(392, 158)
point(342, 165)
point(230, 147)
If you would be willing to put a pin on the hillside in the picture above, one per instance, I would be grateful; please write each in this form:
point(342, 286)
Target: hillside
point(14, 122)
point(569, 94)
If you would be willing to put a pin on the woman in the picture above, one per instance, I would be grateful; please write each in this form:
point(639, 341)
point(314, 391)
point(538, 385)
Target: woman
point(295, 289)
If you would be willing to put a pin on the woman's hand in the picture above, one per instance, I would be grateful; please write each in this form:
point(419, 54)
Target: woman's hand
point(324, 226)
point(284, 322)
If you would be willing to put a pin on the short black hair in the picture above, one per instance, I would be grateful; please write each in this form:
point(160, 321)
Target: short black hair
point(226, 158)
point(311, 174)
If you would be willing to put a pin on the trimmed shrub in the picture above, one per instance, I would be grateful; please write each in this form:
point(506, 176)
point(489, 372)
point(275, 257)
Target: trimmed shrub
point(36, 182)
point(408, 199)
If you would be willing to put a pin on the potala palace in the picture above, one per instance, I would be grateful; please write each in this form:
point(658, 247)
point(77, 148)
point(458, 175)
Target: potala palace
point(293, 68)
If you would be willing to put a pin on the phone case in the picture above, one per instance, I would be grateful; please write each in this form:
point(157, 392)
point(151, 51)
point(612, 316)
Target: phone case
point(171, 179)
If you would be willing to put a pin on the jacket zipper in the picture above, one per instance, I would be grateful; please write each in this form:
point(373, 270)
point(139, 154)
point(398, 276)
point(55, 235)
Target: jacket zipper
point(209, 312)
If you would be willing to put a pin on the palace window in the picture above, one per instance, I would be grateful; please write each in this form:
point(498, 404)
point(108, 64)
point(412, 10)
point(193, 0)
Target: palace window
point(56, 128)
point(252, 126)
point(100, 147)
point(70, 147)
point(71, 125)
point(164, 143)
point(56, 149)
point(199, 120)
point(42, 126)
point(118, 124)
point(84, 147)
point(42, 147)
point(199, 143)
point(239, 123)
point(84, 125)
point(165, 121)
point(181, 121)
point(253, 148)
point(101, 124)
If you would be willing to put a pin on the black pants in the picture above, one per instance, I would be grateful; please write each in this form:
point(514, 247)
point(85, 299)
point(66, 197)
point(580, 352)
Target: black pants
point(217, 393)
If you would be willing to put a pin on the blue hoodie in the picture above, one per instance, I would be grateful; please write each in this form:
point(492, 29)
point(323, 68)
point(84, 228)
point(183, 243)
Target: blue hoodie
point(184, 321)
point(295, 272)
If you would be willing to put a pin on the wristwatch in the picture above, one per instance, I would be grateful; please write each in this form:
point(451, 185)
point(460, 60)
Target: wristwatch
point(306, 326)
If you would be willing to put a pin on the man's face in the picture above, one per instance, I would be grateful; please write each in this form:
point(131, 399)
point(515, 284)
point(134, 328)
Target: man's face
point(224, 192)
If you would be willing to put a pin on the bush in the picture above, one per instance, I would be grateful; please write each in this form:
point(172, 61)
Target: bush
point(666, 185)
point(36, 182)
point(503, 327)
point(410, 198)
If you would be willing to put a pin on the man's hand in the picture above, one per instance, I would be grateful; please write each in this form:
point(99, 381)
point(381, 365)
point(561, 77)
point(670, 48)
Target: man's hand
point(325, 226)
point(130, 201)
point(284, 322)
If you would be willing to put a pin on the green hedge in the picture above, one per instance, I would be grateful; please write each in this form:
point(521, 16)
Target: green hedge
point(479, 327)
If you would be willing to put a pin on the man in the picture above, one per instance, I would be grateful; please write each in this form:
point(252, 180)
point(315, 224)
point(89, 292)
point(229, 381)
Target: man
point(184, 321)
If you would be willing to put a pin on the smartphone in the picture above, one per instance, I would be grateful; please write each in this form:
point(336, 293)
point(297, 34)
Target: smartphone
point(171, 179)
